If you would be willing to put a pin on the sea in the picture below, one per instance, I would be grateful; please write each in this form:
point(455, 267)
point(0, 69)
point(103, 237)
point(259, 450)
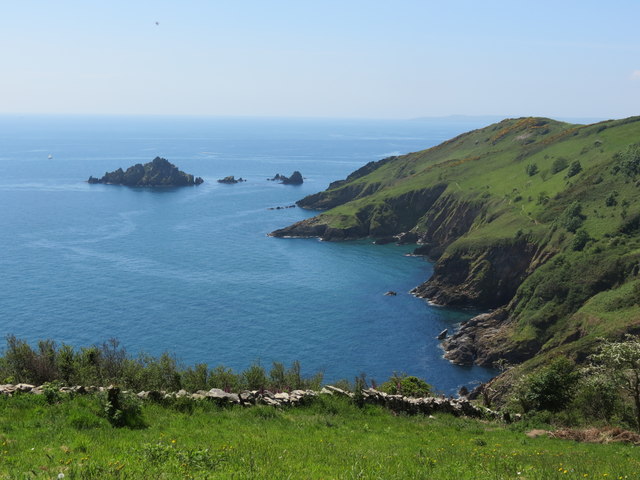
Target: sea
point(191, 271)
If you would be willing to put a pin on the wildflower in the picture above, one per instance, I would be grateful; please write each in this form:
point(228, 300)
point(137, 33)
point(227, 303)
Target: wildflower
point(60, 476)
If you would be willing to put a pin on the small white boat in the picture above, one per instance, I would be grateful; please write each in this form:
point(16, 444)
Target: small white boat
point(50, 157)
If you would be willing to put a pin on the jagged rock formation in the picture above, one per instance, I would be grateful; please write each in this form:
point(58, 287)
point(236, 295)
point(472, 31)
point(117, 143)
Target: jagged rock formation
point(294, 179)
point(157, 173)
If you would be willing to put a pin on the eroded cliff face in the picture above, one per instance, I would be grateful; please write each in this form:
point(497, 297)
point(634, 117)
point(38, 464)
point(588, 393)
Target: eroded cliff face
point(392, 216)
point(447, 220)
point(481, 278)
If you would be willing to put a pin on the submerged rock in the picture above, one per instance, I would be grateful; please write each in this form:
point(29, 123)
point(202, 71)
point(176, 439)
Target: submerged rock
point(157, 173)
point(384, 240)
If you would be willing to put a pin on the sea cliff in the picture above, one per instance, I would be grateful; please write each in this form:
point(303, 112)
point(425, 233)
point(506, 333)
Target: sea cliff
point(531, 219)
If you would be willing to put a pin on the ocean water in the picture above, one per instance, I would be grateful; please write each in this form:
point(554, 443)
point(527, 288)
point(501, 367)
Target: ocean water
point(191, 271)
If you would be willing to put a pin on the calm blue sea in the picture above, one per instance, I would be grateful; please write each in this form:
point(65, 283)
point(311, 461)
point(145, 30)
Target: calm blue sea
point(192, 271)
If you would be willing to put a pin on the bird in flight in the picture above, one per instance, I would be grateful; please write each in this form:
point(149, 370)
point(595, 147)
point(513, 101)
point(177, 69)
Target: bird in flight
point(157, 23)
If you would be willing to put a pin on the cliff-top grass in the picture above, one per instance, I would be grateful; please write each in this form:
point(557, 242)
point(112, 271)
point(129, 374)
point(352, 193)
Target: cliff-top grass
point(329, 439)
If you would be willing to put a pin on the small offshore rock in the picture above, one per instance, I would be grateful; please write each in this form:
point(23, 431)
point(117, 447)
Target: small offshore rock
point(294, 179)
point(231, 179)
point(443, 334)
point(281, 208)
point(391, 293)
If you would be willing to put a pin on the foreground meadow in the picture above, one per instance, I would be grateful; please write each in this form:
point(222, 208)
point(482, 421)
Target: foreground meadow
point(329, 439)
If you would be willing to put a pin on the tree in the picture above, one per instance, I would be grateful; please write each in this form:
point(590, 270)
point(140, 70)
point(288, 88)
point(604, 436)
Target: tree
point(628, 161)
point(621, 362)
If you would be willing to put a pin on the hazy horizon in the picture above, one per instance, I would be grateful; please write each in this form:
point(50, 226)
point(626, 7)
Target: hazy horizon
point(352, 59)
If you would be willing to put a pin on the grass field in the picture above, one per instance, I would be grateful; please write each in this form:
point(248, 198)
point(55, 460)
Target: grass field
point(331, 438)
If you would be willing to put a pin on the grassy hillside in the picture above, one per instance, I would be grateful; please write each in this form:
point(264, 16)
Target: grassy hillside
point(534, 218)
point(331, 438)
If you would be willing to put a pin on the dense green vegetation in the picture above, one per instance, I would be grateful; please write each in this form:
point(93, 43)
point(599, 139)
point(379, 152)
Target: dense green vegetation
point(331, 438)
point(110, 363)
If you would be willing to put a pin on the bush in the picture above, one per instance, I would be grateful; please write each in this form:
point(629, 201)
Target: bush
point(122, 410)
point(628, 161)
point(255, 377)
point(611, 200)
point(549, 388)
point(409, 386)
point(574, 169)
point(572, 217)
point(559, 164)
point(531, 169)
point(597, 397)
point(580, 240)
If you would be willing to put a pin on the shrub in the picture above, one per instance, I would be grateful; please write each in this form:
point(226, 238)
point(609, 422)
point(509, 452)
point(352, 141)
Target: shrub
point(409, 386)
point(255, 377)
point(549, 388)
point(580, 240)
point(122, 410)
point(574, 169)
point(597, 397)
point(572, 217)
point(628, 161)
point(531, 169)
point(620, 362)
point(51, 392)
point(611, 199)
point(559, 164)
point(196, 378)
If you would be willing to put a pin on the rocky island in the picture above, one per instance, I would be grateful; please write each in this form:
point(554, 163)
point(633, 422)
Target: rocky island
point(231, 179)
point(157, 173)
point(532, 220)
point(294, 179)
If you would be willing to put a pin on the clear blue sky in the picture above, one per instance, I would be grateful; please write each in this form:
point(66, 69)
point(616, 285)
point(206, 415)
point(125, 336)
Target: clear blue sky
point(347, 58)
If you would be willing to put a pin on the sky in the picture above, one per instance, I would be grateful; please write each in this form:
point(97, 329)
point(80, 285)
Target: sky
point(347, 58)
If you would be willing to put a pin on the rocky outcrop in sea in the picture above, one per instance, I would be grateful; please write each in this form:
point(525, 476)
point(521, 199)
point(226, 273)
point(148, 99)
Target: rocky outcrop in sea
point(231, 179)
point(294, 179)
point(157, 173)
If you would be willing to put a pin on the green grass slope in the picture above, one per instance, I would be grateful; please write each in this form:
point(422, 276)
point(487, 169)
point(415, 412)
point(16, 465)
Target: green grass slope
point(331, 438)
point(536, 218)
